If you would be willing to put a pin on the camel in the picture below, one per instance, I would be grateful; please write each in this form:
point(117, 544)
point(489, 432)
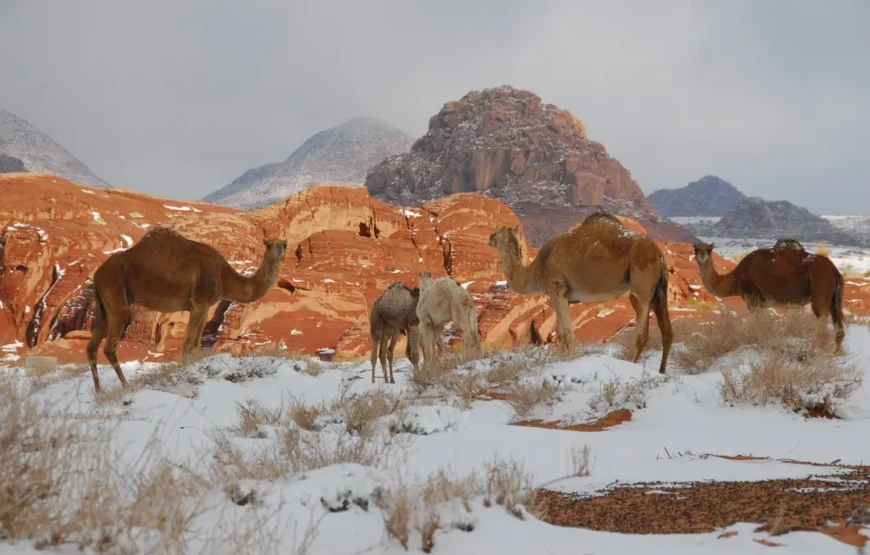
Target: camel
point(785, 275)
point(441, 301)
point(167, 272)
point(393, 312)
point(596, 261)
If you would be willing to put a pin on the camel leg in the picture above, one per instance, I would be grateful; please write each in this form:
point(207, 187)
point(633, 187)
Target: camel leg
point(197, 341)
point(194, 323)
point(376, 342)
point(438, 338)
point(383, 352)
point(97, 336)
point(412, 349)
point(564, 325)
point(641, 311)
point(465, 318)
point(392, 348)
point(425, 331)
point(116, 321)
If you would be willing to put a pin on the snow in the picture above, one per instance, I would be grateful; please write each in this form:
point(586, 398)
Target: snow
point(98, 218)
point(127, 239)
point(328, 280)
point(466, 284)
point(678, 422)
point(181, 208)
point(849, 259)
point(88, 191)
point(294, 331)
point(410, 213)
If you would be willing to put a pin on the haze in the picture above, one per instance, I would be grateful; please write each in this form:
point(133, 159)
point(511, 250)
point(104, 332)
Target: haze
point(179, 98)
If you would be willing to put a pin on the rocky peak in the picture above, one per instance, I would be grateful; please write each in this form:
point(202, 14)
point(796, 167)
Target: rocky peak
point(24, 148)
point(508, 144)
point(338, 155)
point(757, 218)
point(709, 196)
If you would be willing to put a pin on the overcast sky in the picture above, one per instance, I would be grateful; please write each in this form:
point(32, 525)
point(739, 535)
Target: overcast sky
point(179, 98)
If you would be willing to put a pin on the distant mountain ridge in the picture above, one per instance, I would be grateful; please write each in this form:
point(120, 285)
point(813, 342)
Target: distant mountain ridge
point(709, 196)
point(24, 148)
point(338, 155)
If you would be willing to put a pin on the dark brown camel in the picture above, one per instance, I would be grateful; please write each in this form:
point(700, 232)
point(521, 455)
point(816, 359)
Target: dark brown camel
point(167, 272)
point(782, 276)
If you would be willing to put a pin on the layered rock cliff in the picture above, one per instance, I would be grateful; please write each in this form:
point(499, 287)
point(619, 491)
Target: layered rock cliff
point(345, 248)
point(507, 144)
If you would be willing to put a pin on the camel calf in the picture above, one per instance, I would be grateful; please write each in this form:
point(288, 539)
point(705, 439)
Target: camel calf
point(441, 301)
point(395, 310)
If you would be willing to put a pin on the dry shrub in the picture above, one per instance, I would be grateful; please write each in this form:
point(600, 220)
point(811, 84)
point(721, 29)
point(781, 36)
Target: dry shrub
point(252, 416)
point(444, 501)
point(618, 392)
point(523, 398)
point(704, 343)
point(309, 365)
point(581, 462)
point(445, 374)
point(799, 379)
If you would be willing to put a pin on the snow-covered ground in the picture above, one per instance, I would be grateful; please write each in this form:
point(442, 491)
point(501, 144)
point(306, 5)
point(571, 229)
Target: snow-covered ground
point(339, 503)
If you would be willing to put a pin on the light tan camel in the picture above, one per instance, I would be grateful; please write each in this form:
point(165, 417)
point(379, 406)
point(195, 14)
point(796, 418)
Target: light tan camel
point(597, 261)
point(441, 301)
point(167, 272)
point(783, 276)
point(393, 312)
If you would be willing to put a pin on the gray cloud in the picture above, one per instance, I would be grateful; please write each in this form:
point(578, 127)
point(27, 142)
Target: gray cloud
point(179, 98)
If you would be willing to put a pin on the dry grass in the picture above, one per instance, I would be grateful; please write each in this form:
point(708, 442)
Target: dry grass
point(704, 343)
point(798, 378)
point(738, 257)
point(617, 393)
point(444, 501)
point(822, 248)
point(523, 398)
point(702, 306)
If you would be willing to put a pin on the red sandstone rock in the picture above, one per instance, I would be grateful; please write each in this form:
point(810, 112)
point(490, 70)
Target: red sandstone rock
point(345, 248)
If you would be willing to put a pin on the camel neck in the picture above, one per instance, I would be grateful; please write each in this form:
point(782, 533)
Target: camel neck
point(719, 285)
point(246, 289)
point(520, 278)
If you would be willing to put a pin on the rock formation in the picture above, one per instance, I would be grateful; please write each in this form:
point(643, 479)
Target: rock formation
point(709, 196)
point(340, 155)
point(757, 218)
point(507, 144)
point(37, 152)
point(344, 249)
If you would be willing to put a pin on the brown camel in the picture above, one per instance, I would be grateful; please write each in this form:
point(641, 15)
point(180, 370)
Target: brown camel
point(785, 275)
point(167, 272)
point(595, 262)
point(392, 313)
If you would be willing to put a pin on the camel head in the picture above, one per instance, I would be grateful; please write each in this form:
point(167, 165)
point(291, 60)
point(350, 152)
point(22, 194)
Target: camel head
point(704, 252)
point(424, 279)
point(505, 235)
point(276, 247)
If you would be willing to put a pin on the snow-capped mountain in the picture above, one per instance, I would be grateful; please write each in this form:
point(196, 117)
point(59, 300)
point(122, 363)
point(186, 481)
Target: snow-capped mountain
point(343, 154)
point(26, 148)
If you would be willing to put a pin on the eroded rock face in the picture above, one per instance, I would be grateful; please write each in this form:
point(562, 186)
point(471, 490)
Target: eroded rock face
point(507, 144)
point(344, 249)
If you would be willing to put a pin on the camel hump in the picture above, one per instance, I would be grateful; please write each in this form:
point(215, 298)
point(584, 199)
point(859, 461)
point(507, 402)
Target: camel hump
point(601, 216)
point(787, 243)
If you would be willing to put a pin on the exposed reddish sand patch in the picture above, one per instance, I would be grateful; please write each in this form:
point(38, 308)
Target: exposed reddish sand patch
point(820, 412)
point(815, 503)
point(614, 418)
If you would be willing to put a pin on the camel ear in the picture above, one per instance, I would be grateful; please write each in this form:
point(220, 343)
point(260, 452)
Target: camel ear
point(712, 246)
point(265, 242)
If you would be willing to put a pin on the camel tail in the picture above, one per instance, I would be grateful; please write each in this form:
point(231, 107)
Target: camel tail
point(663, 319)
point(837, 303)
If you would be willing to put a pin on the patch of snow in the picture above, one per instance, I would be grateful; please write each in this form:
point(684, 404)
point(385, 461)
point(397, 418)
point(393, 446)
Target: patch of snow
point(179, 208)
point(328, 280)
point(466, 284)
point(88, 192)
point(128, 240)
point(294, 331)
point(428, 419)
point(98, 218)
point(410, 213)
point(501, 283)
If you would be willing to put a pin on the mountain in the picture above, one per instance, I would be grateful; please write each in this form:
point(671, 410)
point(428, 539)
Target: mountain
point(26, 148)
point(756, 218)
point(507, 144)
point(339, 155)
point(709, 196)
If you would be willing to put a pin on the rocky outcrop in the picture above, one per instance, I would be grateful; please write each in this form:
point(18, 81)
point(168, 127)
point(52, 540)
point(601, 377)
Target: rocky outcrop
point(37, 152)
point(757, 218)
point(341, 155)
point(709, 196)
point(10, 164)
point(345, 248)
point(507, 144)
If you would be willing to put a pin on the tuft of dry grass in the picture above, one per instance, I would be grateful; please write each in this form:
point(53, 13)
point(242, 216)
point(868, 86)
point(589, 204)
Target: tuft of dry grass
point(523, 398)
point(617, 393)
point(704, 343)
point(798, 380)
point(702, 306)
